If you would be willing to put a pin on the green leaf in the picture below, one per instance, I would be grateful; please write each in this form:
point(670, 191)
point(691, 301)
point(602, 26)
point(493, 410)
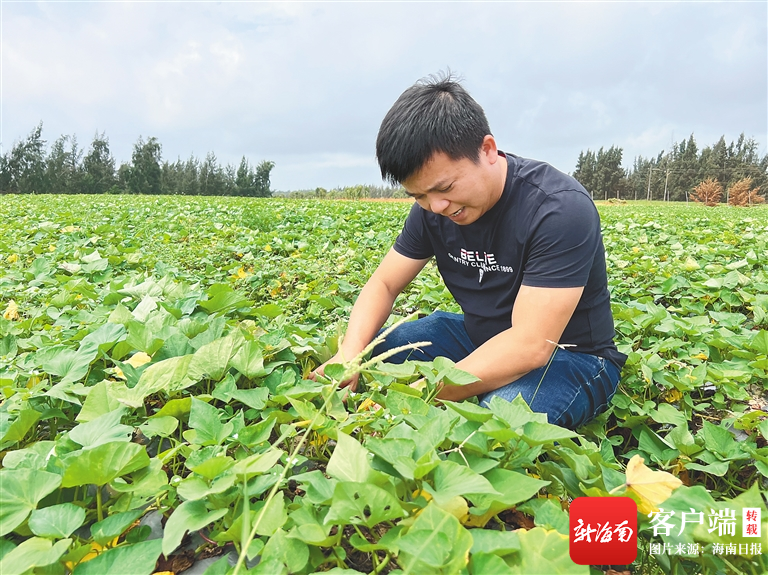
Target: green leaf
point(751, 498)
point(249, 360)
point(273, 516)
point(666, 413)
point(286, 551)
point(390, 449)
point(719, 468)
point(470, 411)
point(103, 429)
point(34, 552)
point(98, 402)
point(496, 542)
point(194, 487)
point(136, 559)
point(253, 435)
point(163, 426)
point(104, 337)
point(57, 521)
point(16, 430)
point(270, 310)
point(33, 457)
point(319, 488)
point(515, 413)
point(536, 432)
point(100, 465)
point(309, 528)
point(20, 492)
point(69, 364)
point(206, 421)
point(214, 466)
point(487, 564)
point(719, 440)
point(544, 552)
point(257, 464)
point(760, 342)
point(113, 526)
point(223, 298)
point(146, 482)
point(349, 461)
point(362, 504)
point(452, 479)
point(254, 398)
point(177, 408)
point(212, 360)
point(168, 375)
point(435, 543)
point(514, 488)
point(450, 374)
point(189, 516)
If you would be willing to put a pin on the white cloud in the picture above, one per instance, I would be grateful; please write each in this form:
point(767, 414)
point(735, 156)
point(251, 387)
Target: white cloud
point(306, 84)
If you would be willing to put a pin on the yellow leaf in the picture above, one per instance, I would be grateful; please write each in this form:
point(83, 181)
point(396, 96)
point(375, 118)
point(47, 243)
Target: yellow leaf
point(478, 520)
point(12, 259)
point(700, 356)
point(672, 396)
point(456, 506)
point(240, 274)
point(651, 487)
point(12, 311)
point(138, 359)
point(368, 405)
point(319, 441)
point(421, 493)
point(96, 549)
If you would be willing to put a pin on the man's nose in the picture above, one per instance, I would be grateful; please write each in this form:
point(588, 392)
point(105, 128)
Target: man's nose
point(439, 205)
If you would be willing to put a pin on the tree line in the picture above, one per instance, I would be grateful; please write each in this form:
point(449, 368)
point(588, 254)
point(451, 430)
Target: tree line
point(673, 175)
point(66, 168)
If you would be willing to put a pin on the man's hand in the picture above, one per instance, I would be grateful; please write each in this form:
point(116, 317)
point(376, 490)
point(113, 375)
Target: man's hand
point(351, 383)
point(539, 318)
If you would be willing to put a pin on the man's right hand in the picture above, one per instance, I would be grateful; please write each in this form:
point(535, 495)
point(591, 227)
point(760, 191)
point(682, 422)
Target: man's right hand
point(351, 383)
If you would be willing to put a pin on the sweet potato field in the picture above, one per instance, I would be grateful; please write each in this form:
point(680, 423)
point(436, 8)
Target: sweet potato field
point(156, 415)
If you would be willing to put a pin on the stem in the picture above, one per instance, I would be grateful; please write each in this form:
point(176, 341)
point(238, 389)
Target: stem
point(374, 556)
point(458, 448)
point(543, 375)
point(99, 512)
point(354, 367)
point(383, 564)
point(246, 517)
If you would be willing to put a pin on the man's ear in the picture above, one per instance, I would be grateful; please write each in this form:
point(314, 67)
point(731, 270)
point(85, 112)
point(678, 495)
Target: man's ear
point(488, 149)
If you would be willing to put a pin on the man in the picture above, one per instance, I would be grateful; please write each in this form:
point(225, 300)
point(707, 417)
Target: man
point(519, 246)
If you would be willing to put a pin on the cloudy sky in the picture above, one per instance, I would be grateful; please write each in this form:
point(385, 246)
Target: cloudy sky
point(306, 84)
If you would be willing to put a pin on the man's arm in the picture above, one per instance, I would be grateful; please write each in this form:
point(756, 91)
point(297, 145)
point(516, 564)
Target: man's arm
point(374, 304)
point(539, 317)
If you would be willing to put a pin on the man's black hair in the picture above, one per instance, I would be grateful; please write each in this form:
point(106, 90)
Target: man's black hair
point(436, 114)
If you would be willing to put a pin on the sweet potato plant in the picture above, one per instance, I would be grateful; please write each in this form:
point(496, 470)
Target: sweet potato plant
point(154, 355)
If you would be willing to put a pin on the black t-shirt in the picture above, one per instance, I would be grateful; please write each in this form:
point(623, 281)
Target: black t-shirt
point(543, 232)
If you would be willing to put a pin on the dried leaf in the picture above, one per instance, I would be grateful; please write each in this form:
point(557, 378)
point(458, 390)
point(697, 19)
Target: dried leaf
point(139, 359)
point(12, 311)
point(652, 487)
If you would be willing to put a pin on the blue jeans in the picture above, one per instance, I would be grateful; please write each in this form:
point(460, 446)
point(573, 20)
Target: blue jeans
point(576, 388)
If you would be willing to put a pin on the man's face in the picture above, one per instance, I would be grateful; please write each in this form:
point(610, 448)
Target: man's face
point(460, 190)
